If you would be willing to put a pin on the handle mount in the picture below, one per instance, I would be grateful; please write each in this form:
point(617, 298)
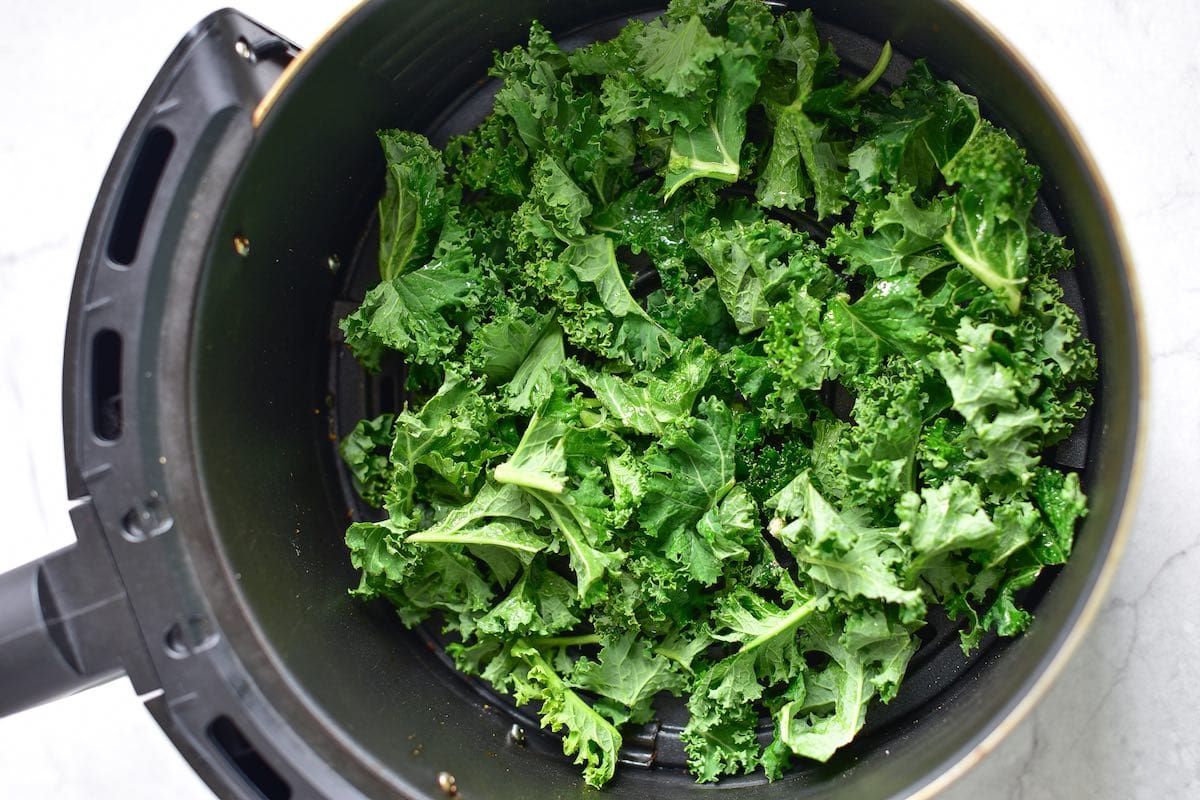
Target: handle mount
point(65, 625)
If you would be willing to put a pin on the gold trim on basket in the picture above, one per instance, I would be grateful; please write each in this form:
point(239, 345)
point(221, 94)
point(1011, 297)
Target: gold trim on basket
point(289, 73)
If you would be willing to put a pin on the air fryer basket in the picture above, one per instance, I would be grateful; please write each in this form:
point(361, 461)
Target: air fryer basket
point(206, 386)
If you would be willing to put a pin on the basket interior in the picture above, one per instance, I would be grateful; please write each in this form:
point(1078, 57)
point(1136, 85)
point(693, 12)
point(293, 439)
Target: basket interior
point(274, 390)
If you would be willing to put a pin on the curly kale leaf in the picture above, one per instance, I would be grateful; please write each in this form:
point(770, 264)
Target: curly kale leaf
point(868, 655)
point(713, 148)
point(421, 313)
point(989, 222)
point(896, 239)
point(838, 550)
point(592, 739)
point(690, 470)
point(639, 338)
point(414, 203)
point(807, 159)
point(627, 675)
point(648, 402)
point(442, 448)
point(755, 263)
point(674, 56)
point(365, 451)
point(908, 141)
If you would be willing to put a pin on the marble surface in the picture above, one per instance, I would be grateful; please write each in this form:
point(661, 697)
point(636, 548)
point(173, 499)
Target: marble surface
point(1121, 723)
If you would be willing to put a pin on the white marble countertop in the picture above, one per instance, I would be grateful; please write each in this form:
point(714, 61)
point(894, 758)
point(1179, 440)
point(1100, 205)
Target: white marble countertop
point(1121, 723)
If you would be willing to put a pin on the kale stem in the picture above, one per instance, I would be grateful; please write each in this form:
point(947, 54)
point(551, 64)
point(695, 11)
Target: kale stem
point(565, 641)
point(885, 58)
point(787, 625)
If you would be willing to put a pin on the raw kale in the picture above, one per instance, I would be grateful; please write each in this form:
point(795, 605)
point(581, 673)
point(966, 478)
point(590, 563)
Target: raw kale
point(660, 438)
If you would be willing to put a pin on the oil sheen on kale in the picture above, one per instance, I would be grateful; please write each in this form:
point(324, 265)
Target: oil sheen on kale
point(623, 469)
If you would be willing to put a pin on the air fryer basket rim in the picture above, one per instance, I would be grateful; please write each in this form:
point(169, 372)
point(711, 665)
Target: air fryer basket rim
point(275, 702)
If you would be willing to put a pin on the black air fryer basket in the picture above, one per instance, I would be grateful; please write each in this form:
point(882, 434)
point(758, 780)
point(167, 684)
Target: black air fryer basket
point(205, 388)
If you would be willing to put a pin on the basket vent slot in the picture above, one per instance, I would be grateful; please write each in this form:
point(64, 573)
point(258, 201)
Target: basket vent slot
point(139, 194)
point(241, 755)
point(107, 414)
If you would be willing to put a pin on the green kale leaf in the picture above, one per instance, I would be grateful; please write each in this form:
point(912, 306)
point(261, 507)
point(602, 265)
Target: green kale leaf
point(414, 204)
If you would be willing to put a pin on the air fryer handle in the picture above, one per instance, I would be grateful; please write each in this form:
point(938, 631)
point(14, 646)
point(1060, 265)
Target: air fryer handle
point(61, 628)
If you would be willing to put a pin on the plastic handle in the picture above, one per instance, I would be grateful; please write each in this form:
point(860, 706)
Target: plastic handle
point(40, 654)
